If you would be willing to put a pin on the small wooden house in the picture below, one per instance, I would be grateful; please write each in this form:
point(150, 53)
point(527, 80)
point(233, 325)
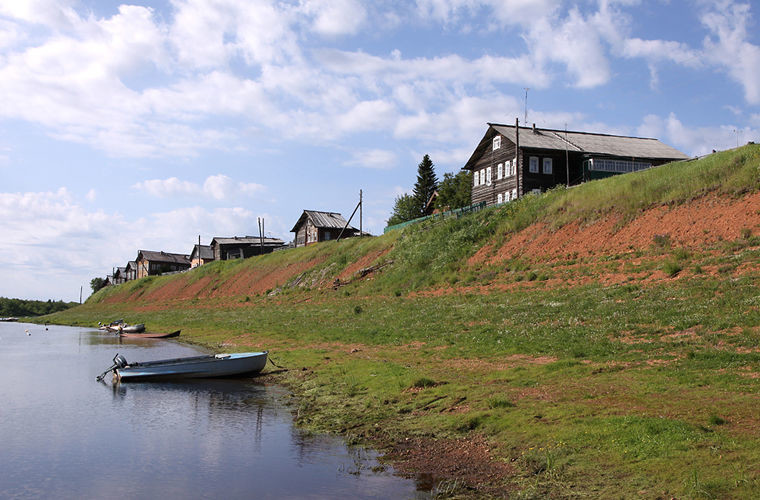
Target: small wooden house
point(119, 276)
point(511, 161)
point(150, 263)
point(130, 272)
point(201, 254)
point(242, 247)
point(314, 226)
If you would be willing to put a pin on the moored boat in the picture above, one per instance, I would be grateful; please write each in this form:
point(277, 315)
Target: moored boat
point(138, 328)
point(149, 335)
point(219, 365)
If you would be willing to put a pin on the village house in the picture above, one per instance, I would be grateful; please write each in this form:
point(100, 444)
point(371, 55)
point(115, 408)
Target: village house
point(201, 254)
point(119, 275)
point(314, 226)
point(242, 247)
point(150, 263)
point(130, 272)
point(511, 161)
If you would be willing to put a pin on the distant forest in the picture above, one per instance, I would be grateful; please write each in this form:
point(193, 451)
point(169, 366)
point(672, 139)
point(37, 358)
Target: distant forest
point(19, 307)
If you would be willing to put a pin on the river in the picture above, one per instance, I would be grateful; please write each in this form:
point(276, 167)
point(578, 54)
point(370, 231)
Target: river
point(65, 435)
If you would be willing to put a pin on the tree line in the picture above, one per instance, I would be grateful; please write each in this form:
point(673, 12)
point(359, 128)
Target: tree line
point(21, 307)
point(428, 194)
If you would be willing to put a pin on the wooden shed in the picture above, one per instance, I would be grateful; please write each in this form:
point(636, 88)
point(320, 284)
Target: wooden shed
point(201, 254)
point(314, 226)
point(242, 247)
point(511, 161)
point(151, 263)
point(130, 272)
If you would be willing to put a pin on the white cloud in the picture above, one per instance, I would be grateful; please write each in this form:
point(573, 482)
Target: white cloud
point(373, 158)
point(694, 141)
point(335, 17)
point(729, 47)
point(217, 187)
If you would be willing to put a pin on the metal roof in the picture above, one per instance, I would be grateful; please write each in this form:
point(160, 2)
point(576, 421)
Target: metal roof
point(323, 220)
point(582, 142)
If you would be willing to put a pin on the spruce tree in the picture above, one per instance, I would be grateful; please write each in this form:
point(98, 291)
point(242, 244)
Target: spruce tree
point(426, 184)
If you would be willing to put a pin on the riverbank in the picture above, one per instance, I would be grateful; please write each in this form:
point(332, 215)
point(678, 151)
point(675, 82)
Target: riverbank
point(599, 341)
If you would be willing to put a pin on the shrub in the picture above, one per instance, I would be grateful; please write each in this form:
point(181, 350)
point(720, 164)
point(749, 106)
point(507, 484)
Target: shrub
point(423, 382)
point(671, 268)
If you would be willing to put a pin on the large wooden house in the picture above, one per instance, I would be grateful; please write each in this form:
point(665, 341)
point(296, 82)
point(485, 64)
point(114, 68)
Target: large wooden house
point(242, 247)
point(130, 272)
point(511, 161)
point(314, 226)
point(150, 263)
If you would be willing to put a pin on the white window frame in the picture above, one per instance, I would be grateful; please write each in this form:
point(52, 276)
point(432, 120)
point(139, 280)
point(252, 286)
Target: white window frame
point(547, 166)
point(475, 178)
point(482, 177)
point(514, 193)
point(533, 166)
point(507, 167)
point(496, 142)
point(500, 171)
point(488, 176)
point(513, 169)
point(499, 199)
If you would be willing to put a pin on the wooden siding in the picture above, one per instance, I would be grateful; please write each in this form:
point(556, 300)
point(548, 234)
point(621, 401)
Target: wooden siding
point(492, 158)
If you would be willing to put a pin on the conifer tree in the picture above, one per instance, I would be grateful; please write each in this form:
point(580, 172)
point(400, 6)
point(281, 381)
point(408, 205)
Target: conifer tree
point(427, 183)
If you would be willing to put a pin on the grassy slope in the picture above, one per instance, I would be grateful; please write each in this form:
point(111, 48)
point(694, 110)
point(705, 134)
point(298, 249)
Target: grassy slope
point(646, 387)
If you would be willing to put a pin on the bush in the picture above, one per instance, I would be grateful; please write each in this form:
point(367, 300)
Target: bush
point(671, 268)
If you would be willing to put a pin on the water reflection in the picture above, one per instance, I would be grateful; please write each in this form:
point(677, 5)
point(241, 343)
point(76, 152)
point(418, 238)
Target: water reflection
point(65, 435)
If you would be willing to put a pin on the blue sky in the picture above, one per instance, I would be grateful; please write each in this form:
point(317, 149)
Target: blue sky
point(142, 125)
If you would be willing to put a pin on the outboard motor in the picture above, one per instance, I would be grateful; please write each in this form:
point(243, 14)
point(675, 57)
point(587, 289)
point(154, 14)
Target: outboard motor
point(119, 361)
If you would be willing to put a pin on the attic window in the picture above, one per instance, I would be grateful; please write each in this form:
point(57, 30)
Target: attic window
point(496, 142)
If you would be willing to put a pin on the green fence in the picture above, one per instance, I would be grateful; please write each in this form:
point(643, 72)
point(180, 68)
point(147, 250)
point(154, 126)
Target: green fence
point(457, 213)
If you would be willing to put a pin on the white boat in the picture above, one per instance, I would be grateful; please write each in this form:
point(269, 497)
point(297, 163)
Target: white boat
point(218, 365)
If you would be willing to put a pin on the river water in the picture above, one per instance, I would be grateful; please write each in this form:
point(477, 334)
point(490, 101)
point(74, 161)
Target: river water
point(65, 435)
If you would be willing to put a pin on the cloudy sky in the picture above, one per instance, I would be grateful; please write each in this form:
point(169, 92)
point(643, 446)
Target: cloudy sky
point(143, 125)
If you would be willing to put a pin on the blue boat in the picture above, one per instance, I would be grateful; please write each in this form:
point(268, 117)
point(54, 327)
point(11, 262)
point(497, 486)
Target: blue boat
point(211, 366)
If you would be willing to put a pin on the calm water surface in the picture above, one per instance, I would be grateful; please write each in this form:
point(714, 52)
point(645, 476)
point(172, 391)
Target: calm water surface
point(64, 435)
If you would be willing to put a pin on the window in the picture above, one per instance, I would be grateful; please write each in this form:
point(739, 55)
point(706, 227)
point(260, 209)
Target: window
point(488, 176)
point(507, 166)
point(506, 197)
point(547, 165)
point(514, 194)
point(535, 191)
point(500, 171)
point(533, 168)
point(496, 142)
point(514, 167)
point(499, 198)
point(482, 177)
point(475, 179)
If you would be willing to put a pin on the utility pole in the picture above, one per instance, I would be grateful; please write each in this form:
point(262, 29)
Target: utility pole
point(80, 294)
point(526, 104)
point(567, 163)
point(361, 231)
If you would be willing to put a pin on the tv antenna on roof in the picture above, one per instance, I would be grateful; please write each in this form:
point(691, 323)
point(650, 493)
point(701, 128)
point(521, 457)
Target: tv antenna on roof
point(526, 104)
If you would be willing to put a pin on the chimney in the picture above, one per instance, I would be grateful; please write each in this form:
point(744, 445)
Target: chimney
point(534, 129)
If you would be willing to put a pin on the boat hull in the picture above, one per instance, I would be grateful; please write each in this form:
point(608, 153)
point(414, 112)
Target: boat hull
point(149, 335)
point(226, 365)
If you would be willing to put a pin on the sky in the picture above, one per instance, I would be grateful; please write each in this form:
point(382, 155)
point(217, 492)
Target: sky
point(144, 125)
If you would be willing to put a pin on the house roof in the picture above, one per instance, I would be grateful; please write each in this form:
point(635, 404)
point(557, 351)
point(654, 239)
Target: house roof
point(322, 220)
point(579, 142)
point(170, 258)
point(245, 240)
point(205, 251)
point(131, 265)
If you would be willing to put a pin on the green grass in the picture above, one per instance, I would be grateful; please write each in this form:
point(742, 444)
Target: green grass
point(642, 388)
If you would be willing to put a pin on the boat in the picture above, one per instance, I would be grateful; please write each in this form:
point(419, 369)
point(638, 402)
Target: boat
point(138, 328)
point(9, 318)
point(149, 335)
point(210, 366)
